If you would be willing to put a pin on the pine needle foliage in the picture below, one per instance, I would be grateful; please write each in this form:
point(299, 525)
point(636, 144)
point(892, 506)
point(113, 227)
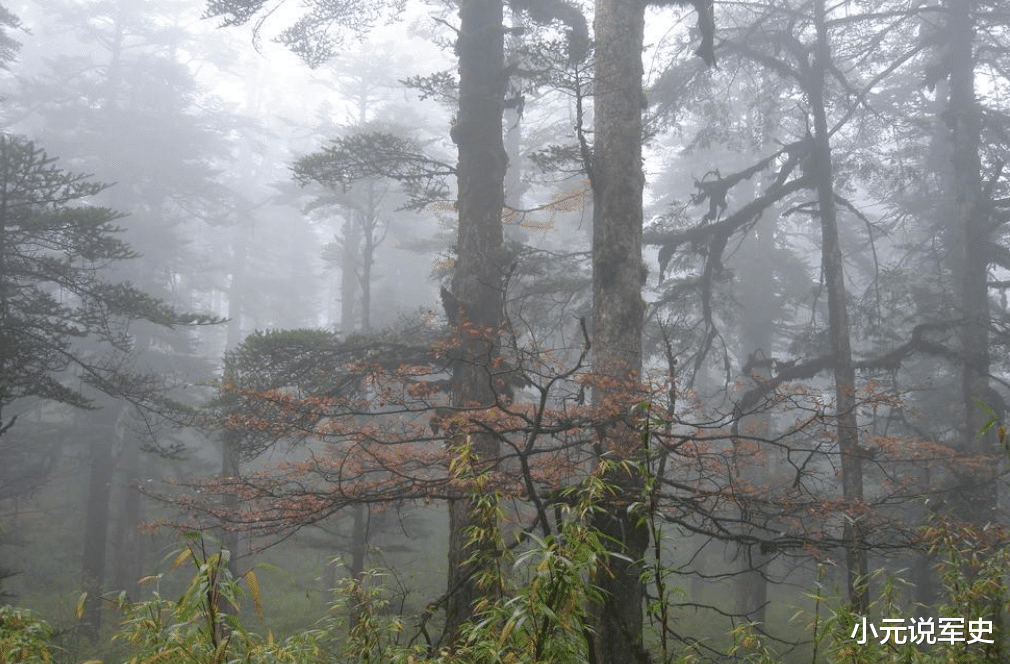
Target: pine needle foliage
point(56, 246)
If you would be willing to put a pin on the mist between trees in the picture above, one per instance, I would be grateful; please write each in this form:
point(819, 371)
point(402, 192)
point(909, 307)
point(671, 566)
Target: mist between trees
point(502, 330)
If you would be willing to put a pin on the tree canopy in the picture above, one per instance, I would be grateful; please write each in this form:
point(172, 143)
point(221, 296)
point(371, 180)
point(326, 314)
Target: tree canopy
point(55, 251)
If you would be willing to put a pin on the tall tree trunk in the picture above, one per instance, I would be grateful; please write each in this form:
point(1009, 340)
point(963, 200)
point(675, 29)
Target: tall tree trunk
point(475, 305)
point(369, 228)
point(231, 440)
point(757, 331)
point(838, 322)
point(360, 513)
point(513, 141)
point(101, 470)
point(351, 259)
point(126, 538)
point(618, 316)
point(359, 552)
point(976, 499)
point(96, 522)
point(128, 554)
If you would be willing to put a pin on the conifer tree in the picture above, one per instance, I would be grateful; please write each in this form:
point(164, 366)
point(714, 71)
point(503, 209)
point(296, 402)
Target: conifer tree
point(53, 248)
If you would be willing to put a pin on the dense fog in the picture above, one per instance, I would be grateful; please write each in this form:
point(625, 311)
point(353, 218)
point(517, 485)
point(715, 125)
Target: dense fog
point(504, 331)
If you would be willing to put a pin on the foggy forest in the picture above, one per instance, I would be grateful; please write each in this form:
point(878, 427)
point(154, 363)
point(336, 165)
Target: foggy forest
point(504, 331)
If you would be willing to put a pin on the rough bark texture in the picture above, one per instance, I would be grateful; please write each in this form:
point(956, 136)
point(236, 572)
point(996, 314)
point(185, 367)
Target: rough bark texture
point(838, 322)
point(618, 309)
point(475, 304)
point(976, 500)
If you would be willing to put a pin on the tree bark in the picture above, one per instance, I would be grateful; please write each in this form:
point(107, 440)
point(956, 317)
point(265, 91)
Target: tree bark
point(976, 499)
point(476, 302)
point(618, 318)
point(838, 322)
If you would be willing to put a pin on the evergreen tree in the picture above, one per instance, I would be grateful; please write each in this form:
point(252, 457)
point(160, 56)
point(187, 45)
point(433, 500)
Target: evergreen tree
point(53, 248)
point(55, 302)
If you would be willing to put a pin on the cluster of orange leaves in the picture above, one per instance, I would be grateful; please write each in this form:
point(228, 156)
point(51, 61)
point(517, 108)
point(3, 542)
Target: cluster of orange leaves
point(391, 442)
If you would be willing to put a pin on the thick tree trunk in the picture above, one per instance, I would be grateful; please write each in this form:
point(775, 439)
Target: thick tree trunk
point(618, 316)
point(838, 321)
point(976, 499)
point(476, 302)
